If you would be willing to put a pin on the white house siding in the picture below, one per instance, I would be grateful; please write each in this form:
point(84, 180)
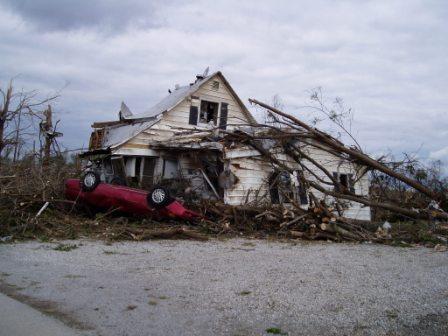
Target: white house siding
point(334, 164)
point(253, 174)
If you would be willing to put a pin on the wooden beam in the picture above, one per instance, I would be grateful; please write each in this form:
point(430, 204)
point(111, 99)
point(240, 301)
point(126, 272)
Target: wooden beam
point(102, 124)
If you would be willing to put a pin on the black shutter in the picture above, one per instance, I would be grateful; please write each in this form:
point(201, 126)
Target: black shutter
point(351, 183)
point(223, 117)
point(193, 115)
point(336, 178)
point(273, 188)
point(302, 194)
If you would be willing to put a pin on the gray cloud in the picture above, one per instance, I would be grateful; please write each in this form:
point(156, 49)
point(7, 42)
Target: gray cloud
point(387, 59)
point(101, 14)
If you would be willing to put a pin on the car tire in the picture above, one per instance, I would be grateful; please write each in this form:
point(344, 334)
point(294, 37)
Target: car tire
point(158, 197)
point(90, 181)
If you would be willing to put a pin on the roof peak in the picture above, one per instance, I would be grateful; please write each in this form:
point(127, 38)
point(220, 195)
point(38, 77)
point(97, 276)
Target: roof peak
point(174, 97)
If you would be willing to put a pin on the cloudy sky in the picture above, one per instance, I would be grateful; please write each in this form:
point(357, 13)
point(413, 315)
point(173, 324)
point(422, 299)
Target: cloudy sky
point(388, 59)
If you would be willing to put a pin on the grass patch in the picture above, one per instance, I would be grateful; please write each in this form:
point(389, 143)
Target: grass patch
point(276, 331)
point(152, 303)
point(65, 247)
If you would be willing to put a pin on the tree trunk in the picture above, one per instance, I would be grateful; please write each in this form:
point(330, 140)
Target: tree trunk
point(3, 115)
point(47, 127)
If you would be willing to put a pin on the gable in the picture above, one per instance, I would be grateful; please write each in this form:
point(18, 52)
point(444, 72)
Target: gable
point(215, 90)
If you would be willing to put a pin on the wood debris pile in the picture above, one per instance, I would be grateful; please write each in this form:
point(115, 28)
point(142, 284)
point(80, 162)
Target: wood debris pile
point(315, 223)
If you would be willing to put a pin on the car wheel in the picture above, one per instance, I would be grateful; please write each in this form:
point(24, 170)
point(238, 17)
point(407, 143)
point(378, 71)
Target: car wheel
point(90, 181)
point(158, 197)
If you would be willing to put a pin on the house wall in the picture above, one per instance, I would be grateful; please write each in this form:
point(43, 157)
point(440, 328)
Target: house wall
point(334, 164)
point(253, 174)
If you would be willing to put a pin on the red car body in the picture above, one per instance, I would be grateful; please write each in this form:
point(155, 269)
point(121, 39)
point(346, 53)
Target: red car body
point(128, 200)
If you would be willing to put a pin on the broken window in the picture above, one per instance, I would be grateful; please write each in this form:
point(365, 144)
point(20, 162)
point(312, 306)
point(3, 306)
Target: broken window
point(284, 187)
point(280, 187)
point(345, 180)
point(208, 112)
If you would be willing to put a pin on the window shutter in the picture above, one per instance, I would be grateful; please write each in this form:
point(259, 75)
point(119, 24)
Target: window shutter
point(303, 197)
point(351, 183)
point(223, 117)
point(336, 178)
point(273, 188)
point(193, 115)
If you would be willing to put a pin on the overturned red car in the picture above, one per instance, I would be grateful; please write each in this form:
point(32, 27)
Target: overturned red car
point(156, 203)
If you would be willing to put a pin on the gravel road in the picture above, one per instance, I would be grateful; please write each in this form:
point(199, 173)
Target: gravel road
point(232, 287)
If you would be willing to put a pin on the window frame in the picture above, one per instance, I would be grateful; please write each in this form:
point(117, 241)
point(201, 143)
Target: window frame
point(350, 184)
point(296, 192)
point(218, 112)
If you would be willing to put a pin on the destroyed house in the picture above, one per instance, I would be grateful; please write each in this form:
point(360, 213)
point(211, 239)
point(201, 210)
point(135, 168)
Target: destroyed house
point(181, 143)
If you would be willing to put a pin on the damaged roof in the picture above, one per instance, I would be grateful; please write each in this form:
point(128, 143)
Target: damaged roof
point(178, 95)
point(116, 135)
point(172, 100)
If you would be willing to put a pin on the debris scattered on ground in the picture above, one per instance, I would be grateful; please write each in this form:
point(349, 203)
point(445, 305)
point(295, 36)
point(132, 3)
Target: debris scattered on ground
point(440, 248)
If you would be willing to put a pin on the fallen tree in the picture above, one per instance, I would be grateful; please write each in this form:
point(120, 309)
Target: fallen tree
point(324, 217)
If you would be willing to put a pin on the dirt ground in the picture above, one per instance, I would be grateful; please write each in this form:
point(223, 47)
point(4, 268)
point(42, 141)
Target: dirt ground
point(232, 287)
